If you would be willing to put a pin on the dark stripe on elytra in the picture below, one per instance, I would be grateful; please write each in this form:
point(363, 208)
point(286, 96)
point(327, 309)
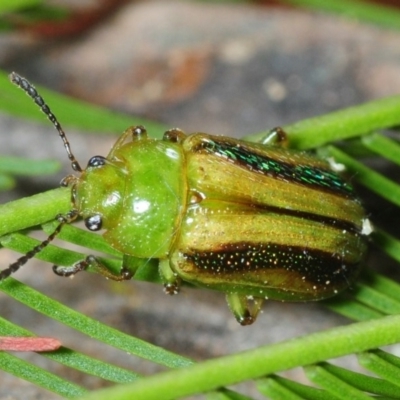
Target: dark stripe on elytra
point(336, 223)
point(306, 175)
point(315, 265)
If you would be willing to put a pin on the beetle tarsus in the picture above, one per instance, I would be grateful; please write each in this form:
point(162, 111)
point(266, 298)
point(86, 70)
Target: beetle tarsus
point(126, 274)
point(247, 320)
point(171, 289)
point(70, 271)
point(65, 272)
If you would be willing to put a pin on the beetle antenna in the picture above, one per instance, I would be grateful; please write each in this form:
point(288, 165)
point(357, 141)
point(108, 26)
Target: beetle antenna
point(30, 90)
point(16, 265)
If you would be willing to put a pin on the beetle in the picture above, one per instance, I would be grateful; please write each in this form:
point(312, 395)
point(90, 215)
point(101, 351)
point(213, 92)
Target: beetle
point(253, 220)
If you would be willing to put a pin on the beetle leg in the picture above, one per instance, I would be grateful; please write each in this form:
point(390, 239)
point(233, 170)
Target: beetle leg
point(94, 263)
point(170, 278)
point(276, 137)
point(244, 308)
point(174, 135)
point(132, 133)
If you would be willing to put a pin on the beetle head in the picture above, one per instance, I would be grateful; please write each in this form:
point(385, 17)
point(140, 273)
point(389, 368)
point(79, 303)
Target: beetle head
point(97, 194)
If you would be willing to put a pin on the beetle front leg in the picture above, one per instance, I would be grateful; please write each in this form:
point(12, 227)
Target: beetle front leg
point(244, 308)
point(171, 280)
point(95, 264)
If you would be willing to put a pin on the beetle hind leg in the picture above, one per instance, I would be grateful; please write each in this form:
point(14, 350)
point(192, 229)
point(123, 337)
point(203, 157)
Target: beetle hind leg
point(244, 308)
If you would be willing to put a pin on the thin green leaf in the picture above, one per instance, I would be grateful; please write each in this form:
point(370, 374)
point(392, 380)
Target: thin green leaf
point(353, 309)
point(383, 15)
point(275, 390)
point(226, 394)
point(373, 362)
point(74, 359)
point(373, 297)
point(306, 392)
point(387, 243)
point(368, 177)
point(90, 327)
point(379, 144)
point(15, 5)
point(363, 382)
point(377, 300)
point(382, 284)
point(6, 182)
point(334, 385)
point(39, 376)
point(42, 13)
point(22, 166)
point(390, 358)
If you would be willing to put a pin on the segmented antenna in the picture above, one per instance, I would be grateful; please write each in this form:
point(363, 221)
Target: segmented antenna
point(30, 90)
point(15, 266)
point(62, 219)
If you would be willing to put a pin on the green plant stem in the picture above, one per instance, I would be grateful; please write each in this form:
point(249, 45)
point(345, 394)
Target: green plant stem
point(34, 210)
point(342, 124)
point(259, 362)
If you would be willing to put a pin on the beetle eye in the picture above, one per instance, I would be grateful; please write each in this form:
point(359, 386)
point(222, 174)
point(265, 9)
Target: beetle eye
point(97, 161)
point(93, 223)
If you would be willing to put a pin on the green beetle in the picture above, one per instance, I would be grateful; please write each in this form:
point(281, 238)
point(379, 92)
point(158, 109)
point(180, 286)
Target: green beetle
point(253, 220)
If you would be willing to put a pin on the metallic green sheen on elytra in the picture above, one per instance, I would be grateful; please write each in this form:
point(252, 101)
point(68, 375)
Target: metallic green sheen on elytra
point(279, 169)
point(251, 220)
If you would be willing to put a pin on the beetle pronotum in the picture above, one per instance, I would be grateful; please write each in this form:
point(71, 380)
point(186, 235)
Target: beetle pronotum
point(253, 220)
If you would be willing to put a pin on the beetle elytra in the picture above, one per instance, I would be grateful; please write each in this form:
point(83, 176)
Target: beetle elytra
point(253, 220)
